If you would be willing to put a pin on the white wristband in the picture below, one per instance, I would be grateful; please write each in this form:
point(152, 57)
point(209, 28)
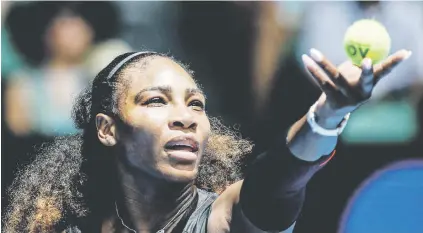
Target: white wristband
point(311, 119)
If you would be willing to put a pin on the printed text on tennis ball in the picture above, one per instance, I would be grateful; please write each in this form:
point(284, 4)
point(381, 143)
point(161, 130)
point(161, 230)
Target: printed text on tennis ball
point(352, 50)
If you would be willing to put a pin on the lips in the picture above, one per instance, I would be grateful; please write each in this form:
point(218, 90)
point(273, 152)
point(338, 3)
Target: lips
point(182, 143)
point(182, 150)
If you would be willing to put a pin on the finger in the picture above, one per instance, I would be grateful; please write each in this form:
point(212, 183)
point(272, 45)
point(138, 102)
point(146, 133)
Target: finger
point(366, 78)
point(384, 68)
point(318, 75)
point(330, 69)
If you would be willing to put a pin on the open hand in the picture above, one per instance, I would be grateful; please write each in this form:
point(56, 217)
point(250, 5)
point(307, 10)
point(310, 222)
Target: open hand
point(347, 87)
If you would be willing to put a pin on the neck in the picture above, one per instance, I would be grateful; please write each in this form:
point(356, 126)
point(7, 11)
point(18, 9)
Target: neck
point(148, 204)
point(60, 62)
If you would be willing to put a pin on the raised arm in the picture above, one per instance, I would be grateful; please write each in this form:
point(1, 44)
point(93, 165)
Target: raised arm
point(271, 196)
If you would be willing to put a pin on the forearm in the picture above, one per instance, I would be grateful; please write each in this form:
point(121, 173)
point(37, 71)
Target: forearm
point(274, 188)
point(273, 192)
point(309, 146)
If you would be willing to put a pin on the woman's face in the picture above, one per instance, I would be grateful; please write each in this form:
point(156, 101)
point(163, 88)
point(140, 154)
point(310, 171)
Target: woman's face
point(69, 37)
point(168, 127)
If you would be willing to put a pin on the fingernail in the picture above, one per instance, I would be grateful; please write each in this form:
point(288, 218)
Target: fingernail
point(316, 55)
point(408, 55)
point(367, 63)
point(306, 59)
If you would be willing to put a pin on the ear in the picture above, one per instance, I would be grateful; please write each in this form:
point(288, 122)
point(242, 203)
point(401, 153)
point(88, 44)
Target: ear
point(106, 129)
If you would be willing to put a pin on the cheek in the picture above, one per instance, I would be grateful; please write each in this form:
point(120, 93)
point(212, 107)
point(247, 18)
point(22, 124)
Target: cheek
point(147, 118)
point(144, 139)
point(205, 129)
point(152, 122)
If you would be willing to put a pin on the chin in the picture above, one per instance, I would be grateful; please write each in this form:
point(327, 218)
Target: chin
point(181, 174)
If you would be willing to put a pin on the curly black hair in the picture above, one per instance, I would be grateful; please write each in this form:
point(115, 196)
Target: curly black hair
point(72, 182)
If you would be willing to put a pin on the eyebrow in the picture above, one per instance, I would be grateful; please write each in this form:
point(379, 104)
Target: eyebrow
point(193, 91)
point(167, 90)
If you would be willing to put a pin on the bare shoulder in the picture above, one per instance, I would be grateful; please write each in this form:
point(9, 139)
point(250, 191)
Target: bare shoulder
point(226, 214)
point(221, 213)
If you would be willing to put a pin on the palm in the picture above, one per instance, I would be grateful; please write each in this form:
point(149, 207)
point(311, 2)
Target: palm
point(347, 87)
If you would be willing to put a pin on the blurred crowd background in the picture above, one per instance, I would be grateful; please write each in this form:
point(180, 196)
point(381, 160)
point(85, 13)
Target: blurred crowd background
point(247, 57)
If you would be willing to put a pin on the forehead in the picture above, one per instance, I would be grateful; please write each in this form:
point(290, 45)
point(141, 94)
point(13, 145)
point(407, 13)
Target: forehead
point(158, 71)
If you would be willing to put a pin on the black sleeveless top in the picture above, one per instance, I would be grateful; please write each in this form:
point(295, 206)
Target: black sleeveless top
point(197, 222)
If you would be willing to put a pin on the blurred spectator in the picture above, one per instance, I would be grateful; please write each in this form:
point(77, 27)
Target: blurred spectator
point(276, 25)
point(55, 37)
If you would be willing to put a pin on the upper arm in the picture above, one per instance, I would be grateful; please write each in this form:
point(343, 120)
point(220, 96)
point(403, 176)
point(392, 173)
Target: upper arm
point(227, 215)
point(16, 106)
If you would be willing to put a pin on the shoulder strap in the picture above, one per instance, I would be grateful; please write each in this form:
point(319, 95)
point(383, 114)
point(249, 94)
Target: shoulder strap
point(197, 222)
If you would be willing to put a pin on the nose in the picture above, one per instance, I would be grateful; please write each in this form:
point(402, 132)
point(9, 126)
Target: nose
point(182, 119)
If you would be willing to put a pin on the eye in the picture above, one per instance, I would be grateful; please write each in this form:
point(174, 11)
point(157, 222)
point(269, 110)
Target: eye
point(155, 102)
point(197, 105)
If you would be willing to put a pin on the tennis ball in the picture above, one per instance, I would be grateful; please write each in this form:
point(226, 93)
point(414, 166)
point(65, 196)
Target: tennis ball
point(367, 38)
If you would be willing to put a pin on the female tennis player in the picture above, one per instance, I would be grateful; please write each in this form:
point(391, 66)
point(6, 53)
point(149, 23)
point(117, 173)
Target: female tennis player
point(151, 160)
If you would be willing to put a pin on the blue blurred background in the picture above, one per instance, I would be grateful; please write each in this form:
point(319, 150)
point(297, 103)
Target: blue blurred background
point(247, 57)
